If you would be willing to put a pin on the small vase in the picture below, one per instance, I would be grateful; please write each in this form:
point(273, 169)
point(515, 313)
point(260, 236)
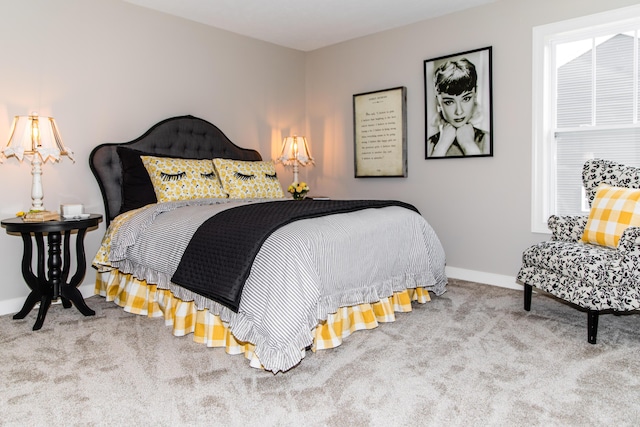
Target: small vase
point(299, 196)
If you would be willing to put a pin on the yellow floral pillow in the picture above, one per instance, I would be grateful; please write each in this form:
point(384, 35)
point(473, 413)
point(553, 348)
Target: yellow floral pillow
point(182, 179)
point(613, 210)
point(245, 179)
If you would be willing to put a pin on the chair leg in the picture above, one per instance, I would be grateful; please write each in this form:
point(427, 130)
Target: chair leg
point(592, 325)
point(528, 289)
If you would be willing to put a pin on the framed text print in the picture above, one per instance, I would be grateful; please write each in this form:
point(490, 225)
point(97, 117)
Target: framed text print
point(380, 133)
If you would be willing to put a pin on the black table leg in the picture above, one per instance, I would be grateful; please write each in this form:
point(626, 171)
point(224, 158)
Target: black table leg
point(29, 278)
point(70, 290)
point(65, 269)
point(30, 302)
point(45, 302)
point(44, 289)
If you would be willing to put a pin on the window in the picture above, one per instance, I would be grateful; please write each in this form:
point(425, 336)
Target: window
point(586, 104)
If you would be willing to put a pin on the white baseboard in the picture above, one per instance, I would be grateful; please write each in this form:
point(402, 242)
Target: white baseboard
point(482, 277)
point(15, 305)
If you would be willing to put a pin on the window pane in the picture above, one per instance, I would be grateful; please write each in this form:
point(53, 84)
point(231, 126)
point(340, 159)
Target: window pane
point(574, 148)
point(614, 77)
point(574, 83)
point(586, 104)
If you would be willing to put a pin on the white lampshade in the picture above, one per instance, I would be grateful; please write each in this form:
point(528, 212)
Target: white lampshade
point(295, 151)
point(38, 139)
point(31, 135)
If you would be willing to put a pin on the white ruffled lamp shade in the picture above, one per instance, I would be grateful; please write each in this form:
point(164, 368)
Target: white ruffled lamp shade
point(295, 151)
point(37, 139)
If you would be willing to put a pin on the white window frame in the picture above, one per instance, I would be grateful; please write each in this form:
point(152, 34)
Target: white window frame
point(544, 149)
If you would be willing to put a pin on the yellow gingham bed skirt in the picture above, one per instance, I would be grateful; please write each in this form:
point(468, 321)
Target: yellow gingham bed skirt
point(138, 297)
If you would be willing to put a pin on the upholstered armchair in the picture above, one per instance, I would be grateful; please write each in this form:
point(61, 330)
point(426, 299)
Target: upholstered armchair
point(600, 276)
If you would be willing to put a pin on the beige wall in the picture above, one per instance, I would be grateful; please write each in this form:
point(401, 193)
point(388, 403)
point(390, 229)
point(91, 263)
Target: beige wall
point(480, 207)
point(107, 70)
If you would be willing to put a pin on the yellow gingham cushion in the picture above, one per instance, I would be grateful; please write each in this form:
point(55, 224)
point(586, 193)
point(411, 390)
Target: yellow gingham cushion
point(245, 179)
point(182, 179)
point(612, 211)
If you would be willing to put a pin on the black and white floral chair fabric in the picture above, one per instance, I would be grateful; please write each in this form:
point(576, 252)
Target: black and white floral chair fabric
point(593, 277)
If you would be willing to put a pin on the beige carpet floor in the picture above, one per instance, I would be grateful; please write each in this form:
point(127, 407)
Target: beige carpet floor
point(470, 357)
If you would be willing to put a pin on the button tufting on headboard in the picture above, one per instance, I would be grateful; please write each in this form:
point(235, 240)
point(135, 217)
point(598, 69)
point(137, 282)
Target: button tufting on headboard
point(183, 136)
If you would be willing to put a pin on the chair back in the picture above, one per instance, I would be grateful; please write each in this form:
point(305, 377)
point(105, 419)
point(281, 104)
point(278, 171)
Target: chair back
point(597, 171)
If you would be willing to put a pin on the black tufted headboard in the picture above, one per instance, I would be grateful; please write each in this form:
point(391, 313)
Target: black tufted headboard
point(184, 136)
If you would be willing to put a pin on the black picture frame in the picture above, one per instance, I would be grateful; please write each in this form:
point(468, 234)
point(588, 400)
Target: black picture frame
point(447, 102)
point(380, 133)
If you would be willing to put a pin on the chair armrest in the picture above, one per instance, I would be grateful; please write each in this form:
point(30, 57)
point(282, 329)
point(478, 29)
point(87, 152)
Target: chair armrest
point(567, 228)
point(629, 248)
point(629, 243)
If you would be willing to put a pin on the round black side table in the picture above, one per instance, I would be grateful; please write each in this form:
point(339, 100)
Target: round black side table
point(51, 283)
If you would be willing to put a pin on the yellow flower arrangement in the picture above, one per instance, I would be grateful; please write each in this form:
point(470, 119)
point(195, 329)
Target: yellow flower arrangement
point(299, 190)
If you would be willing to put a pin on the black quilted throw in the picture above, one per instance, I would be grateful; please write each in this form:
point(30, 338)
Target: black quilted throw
point(219, 256)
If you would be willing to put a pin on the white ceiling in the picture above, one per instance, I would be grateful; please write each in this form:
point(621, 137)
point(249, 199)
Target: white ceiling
point(307, 24)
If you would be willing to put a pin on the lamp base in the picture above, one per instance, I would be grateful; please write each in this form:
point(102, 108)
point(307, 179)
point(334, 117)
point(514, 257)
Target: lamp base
point(36, 184)
point(295, 171)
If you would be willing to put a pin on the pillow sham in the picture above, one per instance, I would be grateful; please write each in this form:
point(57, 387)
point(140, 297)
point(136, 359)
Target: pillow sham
point(182, 179)
point(245, 179)
point(613, 210)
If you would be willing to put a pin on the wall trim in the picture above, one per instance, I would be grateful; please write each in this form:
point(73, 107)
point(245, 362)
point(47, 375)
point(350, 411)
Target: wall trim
point(482, 277)
point(14, 305)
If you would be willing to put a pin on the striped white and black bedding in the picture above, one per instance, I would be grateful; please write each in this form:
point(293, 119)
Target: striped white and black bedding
point(219, 271)
point(303, 272)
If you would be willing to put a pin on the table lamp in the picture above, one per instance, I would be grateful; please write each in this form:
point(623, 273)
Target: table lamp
point(37, 139)
point(295, 151)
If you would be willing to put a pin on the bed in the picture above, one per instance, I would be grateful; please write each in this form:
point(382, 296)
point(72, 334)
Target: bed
point(315, 271)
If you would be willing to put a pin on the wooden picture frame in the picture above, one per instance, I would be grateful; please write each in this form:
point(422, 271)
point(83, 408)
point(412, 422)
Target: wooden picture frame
point(458, 105)
point(380, 133)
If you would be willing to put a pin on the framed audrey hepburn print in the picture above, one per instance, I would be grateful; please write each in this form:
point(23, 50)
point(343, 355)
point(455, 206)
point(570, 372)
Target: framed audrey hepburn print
point(458, 105)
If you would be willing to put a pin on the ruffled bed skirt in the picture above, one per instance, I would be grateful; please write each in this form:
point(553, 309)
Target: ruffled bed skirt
point(138, 297)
